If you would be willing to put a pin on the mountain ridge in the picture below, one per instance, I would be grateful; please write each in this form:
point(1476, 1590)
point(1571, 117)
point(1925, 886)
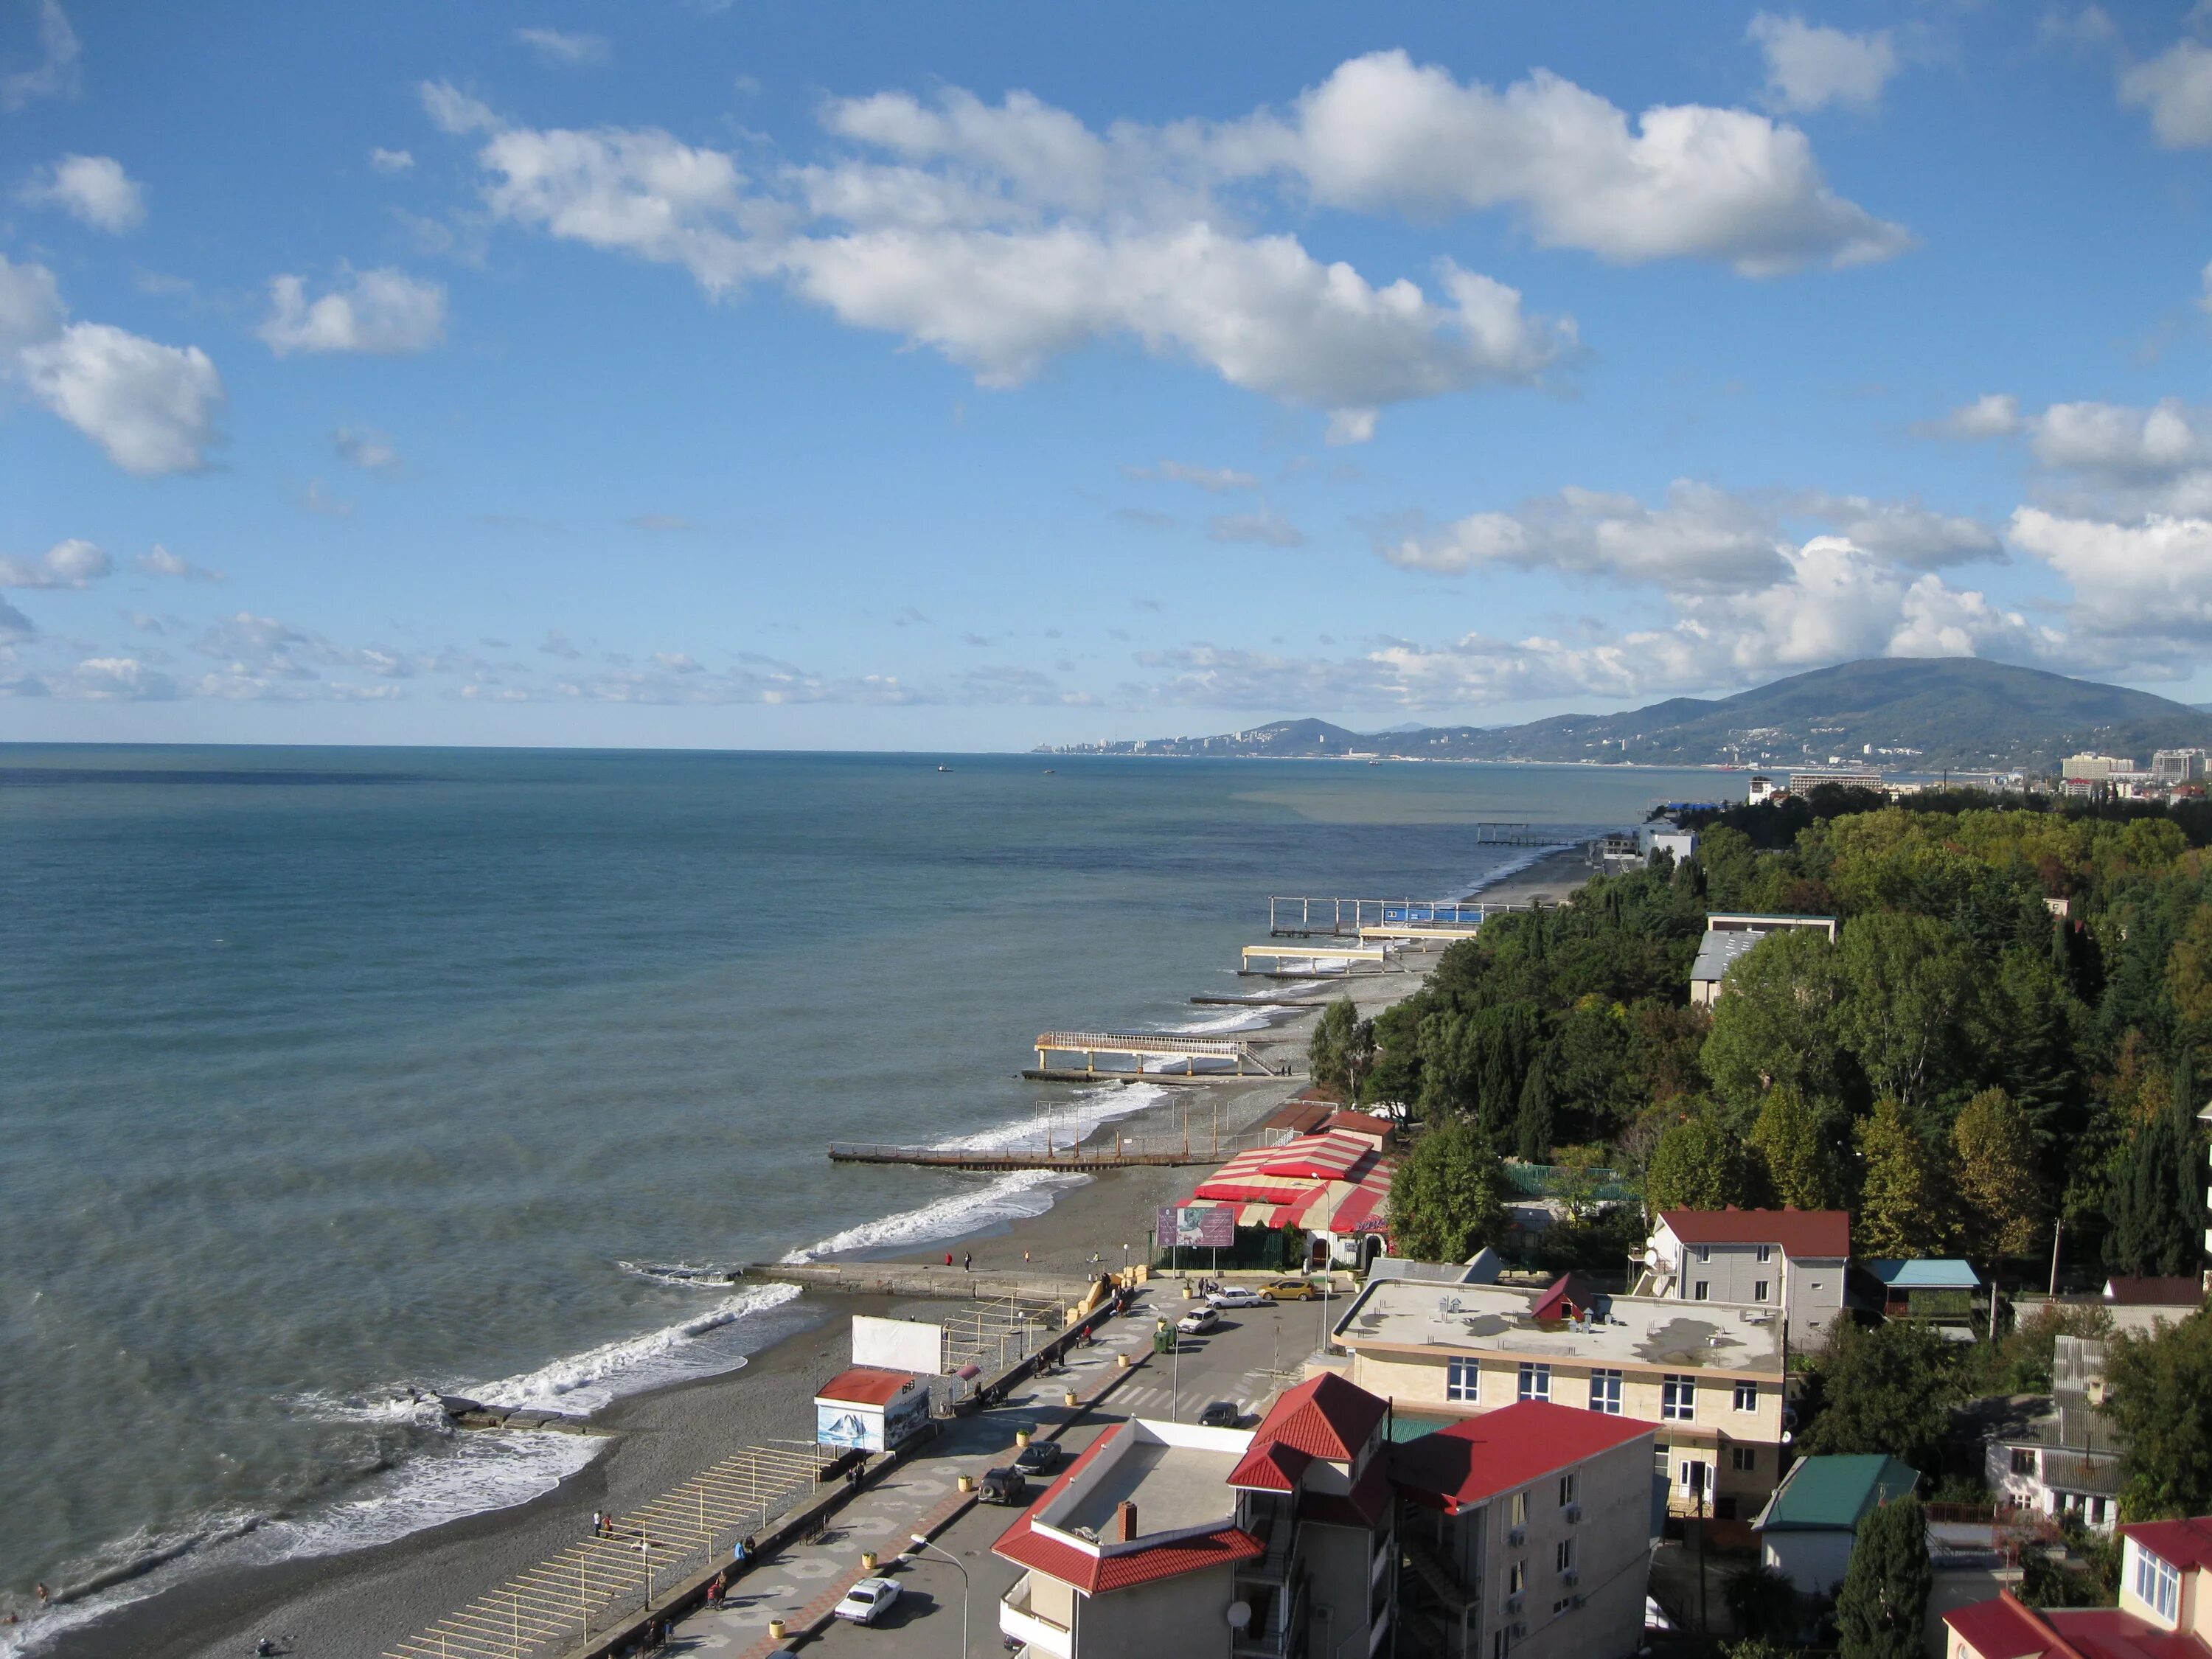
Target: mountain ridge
point(1903, 713)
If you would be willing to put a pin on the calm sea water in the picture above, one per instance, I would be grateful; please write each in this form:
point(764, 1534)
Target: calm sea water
point(329, 1073)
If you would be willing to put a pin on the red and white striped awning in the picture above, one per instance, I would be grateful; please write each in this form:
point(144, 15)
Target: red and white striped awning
point(1337, 1181)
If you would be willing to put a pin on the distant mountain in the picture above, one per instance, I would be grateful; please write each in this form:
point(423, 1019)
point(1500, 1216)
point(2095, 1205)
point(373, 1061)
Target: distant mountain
point(1910, 714)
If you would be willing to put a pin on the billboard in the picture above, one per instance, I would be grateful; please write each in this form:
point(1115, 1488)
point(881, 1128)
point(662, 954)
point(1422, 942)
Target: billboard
point(1207, 1225)
point(898, 1345)
point(852, 1427)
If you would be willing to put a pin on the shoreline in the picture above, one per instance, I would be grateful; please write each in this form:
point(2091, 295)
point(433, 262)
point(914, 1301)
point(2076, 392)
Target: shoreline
point(359, 1601)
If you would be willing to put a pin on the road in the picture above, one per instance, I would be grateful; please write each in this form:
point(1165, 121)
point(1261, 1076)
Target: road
point(1250, 1357)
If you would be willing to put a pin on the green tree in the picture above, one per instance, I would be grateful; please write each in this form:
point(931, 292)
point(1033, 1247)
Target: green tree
point(1997, 1179)
point(2157, 1202)
point(1901, 1208)
point(1774, 1024)
point(1695, 1166)
point(1884, 1599)
point(1531, 1127)
point(1889, 1389)
point(1448, 1199)
point(1342, 1048)
point(1796, 1144)
point(1764, 1603)
point(2160, 1395)
point(1914, 1008)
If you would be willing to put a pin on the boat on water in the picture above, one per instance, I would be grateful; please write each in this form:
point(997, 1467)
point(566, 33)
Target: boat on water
point(944, 769)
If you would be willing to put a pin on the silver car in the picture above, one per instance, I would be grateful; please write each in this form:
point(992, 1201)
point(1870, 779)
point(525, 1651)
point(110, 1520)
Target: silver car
point(867, 1601)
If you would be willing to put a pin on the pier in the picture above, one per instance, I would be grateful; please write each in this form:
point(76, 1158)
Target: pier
point(1294, 916)
point(1136, 1047)
point(1350, 955)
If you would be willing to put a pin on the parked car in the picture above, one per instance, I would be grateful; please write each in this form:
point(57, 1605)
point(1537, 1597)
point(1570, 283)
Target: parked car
point(1038, 1457)
point(867, 1601)
point(1237, 1296)
point(1221, 1415)
point(1006, 1485)
point(1291, 1290)
point(1198, 1321)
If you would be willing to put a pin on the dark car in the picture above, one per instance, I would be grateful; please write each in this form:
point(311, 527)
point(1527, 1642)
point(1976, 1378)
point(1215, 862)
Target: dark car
point(1221, 1415)
point(1038, 1457)
point(1004, 1486)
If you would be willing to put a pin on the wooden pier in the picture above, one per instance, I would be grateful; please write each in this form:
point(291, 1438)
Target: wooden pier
point(1314, 955)
point(1079, 1157)
point(1135, 1046)
point(1291, 915)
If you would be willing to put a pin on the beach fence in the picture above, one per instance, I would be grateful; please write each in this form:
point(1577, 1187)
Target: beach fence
point(597, 1581)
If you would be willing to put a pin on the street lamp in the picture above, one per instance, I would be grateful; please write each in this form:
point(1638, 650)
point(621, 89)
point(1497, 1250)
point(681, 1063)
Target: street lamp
point(921, 1543)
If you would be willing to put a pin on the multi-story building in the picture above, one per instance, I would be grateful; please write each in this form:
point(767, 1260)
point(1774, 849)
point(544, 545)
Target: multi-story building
point(2166, 1607)
point(1793, 1260)
point(2093, 769)
point(1710, 1376)
point(2063, 1459)
point(2178, 765)
point(1527, 1531)
point(1729, 936)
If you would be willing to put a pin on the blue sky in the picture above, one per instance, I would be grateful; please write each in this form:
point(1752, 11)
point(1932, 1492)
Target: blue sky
point(980, 376)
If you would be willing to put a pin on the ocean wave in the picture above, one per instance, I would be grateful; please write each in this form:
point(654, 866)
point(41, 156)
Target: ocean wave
point(704, 1345)
point(683, 1275)
point(1012, 1197)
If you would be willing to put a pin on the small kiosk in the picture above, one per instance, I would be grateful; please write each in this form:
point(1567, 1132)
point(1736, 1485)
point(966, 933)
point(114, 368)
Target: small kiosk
point(868, 1408)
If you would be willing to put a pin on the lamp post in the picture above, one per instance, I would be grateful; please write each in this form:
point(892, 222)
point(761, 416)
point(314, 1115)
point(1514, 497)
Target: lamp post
point(921, 1543)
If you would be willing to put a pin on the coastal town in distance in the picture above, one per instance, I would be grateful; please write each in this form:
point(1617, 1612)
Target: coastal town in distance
point(972, 831)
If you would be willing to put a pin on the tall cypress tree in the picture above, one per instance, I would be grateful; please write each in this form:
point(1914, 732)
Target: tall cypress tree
point(1885, 1593)
point(1532, 1128)
point(2158, 1203)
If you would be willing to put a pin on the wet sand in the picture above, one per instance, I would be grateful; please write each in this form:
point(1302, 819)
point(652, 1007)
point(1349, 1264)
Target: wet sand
point(356, 1605)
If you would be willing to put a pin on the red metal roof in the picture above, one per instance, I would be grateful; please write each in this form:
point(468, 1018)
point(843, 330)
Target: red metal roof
point(1364, 1505)
point(2001, 1629)
point(1359, 1123)
point(1498, 1450)
point(1324, 1416)
point(1270, 1468)
point(1096, 1574)
point(2183, 1291)
point(2181, 1543)
point(1799, 1232)
point(1570, 1294)
point(2108, 1633)
point(1298, 1114)
point(866, 1385)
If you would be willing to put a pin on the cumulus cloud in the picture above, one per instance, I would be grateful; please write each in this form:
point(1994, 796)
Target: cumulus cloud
point(1810, 66)
point(1903, 532)
point(1260, 529)
point(91, 189)
point(55, 75)
point(365, 448)
point(390, 163)
point(151, 407)
point(554, 47)
point(13, 624)
point(2148, 583)
point(2116, 460)
point(2176, 89)
point(1215, 480)
point(158, 561)
point(72, 563)
point(1993, 414)
point(1002, 236)
point(1700, 538)
point(384, 311)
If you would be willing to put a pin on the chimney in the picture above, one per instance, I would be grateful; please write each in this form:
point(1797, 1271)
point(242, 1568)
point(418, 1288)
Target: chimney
point(1125, 1523)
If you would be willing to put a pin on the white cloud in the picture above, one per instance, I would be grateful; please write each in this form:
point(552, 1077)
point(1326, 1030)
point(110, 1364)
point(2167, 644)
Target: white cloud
point(151, 407)
point(56, 73)
point(91, 189)
point(13, 624)
point(1810, 66)
point(1214, 480)
point(2120, 460)
point(390, 163)
point(2143, 586)
point(114, 679)
point(1993, 414)
point(365, 448)
point(158, 561)
point(553, 46)
point(2176, 88)
point(1684, 182)
point(454, 111)
point(385, 312)
point(318, 500)
point(1260, 529)
point(676, 662)
point(72, 563)
point(1702, 538)
point(1903, 532)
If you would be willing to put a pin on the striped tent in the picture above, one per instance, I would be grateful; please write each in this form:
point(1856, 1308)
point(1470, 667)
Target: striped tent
point(1337, 1181)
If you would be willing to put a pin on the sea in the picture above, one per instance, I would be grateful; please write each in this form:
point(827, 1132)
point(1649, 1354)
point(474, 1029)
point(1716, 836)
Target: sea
point(334, 1078)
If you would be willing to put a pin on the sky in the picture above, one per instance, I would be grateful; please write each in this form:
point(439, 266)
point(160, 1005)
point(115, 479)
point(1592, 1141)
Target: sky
point(721, 372)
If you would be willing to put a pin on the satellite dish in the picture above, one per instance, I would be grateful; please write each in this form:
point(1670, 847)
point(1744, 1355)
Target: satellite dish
point(1651, 1256)
point(1239, 1615)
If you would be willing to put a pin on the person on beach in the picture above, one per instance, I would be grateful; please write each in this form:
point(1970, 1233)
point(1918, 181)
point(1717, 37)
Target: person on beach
point(948, 1258)
point(44, 1595)
point(967, 1261)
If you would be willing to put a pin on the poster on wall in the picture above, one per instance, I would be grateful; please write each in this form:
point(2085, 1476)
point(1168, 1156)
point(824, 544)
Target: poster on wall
point(1203, 1225)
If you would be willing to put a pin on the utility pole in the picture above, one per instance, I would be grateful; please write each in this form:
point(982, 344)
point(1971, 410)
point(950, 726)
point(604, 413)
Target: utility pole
point(2057, 1226)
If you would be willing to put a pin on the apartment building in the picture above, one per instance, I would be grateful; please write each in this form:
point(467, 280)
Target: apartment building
point(1731, 935)
point(1527, 1531)
point(1794, 1261)
point(1711, 1376)
point(2062, 1459)
point(2166, 1607)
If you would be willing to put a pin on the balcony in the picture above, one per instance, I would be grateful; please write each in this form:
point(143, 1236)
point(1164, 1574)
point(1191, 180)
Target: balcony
point(1271, 1637)
point(1020, 1621)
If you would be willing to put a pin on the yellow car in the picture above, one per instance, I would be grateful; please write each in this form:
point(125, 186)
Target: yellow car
point(1291, 1290)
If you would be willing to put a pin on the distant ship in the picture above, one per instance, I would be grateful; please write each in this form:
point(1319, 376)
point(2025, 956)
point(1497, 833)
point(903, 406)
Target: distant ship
point(944, 769)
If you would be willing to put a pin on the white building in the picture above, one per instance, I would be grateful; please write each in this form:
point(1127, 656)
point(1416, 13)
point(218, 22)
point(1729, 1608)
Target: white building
point(1791, 1260)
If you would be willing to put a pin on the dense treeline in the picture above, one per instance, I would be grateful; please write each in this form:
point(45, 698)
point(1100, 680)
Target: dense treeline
point(2007, 1029)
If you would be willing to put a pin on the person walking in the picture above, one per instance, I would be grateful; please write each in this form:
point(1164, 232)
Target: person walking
point(967, 1261)
point(948, 1258)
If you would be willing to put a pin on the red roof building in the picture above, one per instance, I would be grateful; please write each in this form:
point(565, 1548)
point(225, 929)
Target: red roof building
point(2166, 1599)
point(1825, 1233)
point(1793, 1261)
point(2185, 1290)
point(1335, 1183)
point(866, 1385)
point(1473, 1462)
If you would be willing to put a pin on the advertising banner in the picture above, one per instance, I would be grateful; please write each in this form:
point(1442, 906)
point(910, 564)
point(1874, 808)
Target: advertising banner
point(1205, 1225)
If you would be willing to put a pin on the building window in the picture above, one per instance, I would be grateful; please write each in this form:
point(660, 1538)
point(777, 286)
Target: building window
point(1498, 1643)
point(1659, 1463)
point(1605, 1392)
point(1567, 1490)
point(1703, 1292)
point(1517, 1575)
point(1704, 1253)
point(1744, 1459)
point(1563, 1604)
point(2157, 1584)
point(1564, 1554)
point(1535, 1381)
point(1463, 1379)
point(1759, 1290)
point(2023, 1461)
point(1696, 1476)
point(1747, 1396)
point(1678, 1400)
point(1765, 1254)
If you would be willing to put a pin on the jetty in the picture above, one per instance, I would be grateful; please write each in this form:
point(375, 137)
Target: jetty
point(1296, 916)
point(1136, 1047)
point(1350, 955)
